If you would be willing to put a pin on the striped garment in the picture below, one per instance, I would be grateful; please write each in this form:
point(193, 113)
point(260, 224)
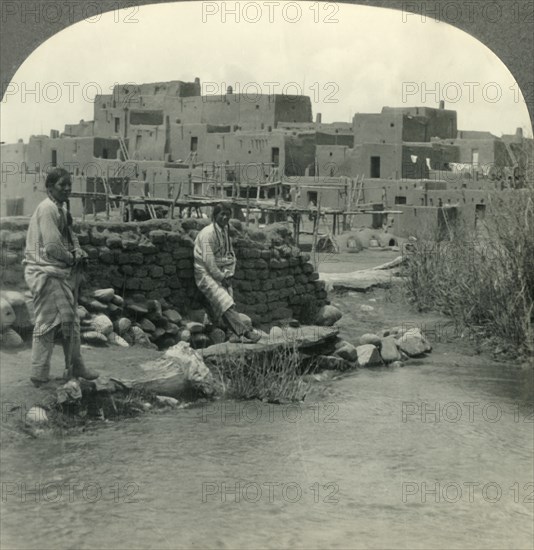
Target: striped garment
point(213, 255)
point(50, 244)
point(53, 299)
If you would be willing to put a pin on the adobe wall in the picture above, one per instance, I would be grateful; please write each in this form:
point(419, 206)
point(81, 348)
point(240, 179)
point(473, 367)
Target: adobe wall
point(154, 259)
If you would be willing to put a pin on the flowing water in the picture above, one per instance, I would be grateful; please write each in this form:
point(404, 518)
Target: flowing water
point(432, 455)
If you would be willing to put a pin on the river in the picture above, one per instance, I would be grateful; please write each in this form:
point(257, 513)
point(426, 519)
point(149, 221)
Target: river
point(438, 454)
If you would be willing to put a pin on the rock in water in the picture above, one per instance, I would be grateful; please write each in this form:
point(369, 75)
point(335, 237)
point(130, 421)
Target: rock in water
point(368, 356)
point(330, 362)
point(105, 295)
point(10, 339)
point(413, 343)
point(7, 314)
point(36, 415)
point(370, 338)
point(348, 352)
point(103, 324)
point(327, 316)
point(388, 350)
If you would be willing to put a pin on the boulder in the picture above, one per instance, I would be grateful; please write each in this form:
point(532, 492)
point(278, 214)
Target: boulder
point(171, 328)
point(330, 362)
point(158, 333)
point(82, 313)
point(113, 309)
point(194, 328)
point(9, 339)
point(217, 336)
point(122, 325)
point(347, 352)
point(117, 340)
point(147, 325)
point(7, 314)
point(197, 315)
point(93, 337)
point(104, 295)
point(370, 338)
point(246, 320)
point(327, 316)
point(413, 343)
point(172, 315)
point(140, 337)
point(103, 324)
point(396, 364)
point(388, 350)
point(96, 306)
point(185, 335)
point(137, 309)
point(199, 341)
point(368, 356)
point(117, 300)
point(13, 297)
point(366, 308)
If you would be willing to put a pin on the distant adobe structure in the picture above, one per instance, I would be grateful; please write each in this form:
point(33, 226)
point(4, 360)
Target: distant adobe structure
point(166, 138)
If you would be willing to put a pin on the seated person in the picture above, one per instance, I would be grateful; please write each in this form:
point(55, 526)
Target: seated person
point(214, 268)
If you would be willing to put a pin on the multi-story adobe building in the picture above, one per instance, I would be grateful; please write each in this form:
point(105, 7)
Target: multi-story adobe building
point(163, 136)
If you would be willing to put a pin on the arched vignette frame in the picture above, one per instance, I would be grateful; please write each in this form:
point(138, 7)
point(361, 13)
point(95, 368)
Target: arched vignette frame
point(507, 28)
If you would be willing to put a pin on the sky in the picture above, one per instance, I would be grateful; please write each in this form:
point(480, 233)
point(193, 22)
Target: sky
point(348, 59)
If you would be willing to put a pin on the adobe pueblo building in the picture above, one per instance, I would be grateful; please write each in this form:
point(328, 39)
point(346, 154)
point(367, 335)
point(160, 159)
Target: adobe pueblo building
point(165, 140)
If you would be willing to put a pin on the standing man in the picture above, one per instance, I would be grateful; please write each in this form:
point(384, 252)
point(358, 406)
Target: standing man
point(214, 268)
point(52, 256)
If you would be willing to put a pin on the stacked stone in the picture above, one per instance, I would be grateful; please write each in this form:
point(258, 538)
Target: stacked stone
point(155, 260)
point(12, 244)
point(273, 281)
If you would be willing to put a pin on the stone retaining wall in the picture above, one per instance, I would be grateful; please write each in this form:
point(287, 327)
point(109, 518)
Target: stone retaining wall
point(154, 260)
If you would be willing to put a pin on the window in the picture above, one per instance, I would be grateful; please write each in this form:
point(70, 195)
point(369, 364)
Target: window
point(375, 167)
point(400, 200)
point(194, 144)
point(117, 125)
point(275, 156)
point(54, 158)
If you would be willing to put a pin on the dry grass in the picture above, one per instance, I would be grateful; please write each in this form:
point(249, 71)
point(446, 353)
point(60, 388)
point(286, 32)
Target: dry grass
point(484, 280)
point(274, 376)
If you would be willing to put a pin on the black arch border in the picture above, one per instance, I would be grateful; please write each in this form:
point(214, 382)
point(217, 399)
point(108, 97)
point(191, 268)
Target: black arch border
point(510, 37)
